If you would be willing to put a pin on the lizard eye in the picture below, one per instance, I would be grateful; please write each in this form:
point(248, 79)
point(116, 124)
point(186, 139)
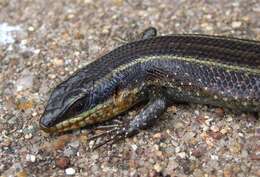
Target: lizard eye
point(75, 108)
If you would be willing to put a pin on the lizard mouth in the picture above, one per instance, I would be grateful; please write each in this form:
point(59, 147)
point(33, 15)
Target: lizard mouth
point(100, 113)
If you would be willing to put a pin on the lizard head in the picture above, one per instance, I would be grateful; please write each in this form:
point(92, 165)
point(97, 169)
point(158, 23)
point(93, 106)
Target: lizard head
point(73, 104)
point(66, 102)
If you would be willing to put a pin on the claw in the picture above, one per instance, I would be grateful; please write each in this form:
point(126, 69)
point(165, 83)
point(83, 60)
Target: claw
point(119, 122)
point(103, 134)
point(111, 140)
point(104, 127)
point(110, 133)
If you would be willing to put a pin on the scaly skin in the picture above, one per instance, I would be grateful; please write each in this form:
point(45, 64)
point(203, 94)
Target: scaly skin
point(202, 69)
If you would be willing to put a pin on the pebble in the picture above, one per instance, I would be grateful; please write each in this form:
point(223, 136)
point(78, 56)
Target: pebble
point(227, 172)
point(214, 157)
point(177, 149)
point(25, 81)
point(34, 114)
point(220, 112)
point(70, 171)
point(157, 135)
point(22, 173)
point(214, 128)
point(28, 136)
point(178, 125)
point(69, 152)
point(235, 148)
point(236, 24)
point(52, 76)
point(199, 151)
point(229, 119)
point(134, 147)
point(58, 62)
point(197, 112)
point(94, 156)
point(30, 158)
point(216, 135)
point(62, 162)
point(182, 155)
point(255, 156)
point(172, 165)
point(157, 167)
point(188, 136)
point(74, 144)
point(205, 127)
point(172, 109)
point(224, 130)
point(31, 28)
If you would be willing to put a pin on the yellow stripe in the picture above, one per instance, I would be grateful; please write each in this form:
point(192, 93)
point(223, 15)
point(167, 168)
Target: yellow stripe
point(209, 63)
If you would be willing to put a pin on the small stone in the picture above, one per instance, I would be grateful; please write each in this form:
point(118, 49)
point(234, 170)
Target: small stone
point(214, 128)
point(182, 155)
point(196, 112)
point(178, 125)
point(30, 158)
point(118, 2)
point(69, 16)
point(207, 26)
point(198, 152)
point(255, 156)
point(200, 119)
point(257, 172)
point(58, 62)
point(4, 3)
point(58, 144)
point(28, 136)
point(69, 152)
point(52, 76)
point(205, 127)
point(159, 153)
point(188, 136)
point(21, 174)
point(31, 28)
point(220, 112)
point(70, 171)
point(157, 167)
point(79, 35)
point(25, 81)
point(198, 173)
point(157, 135)
point(227, 172)
point(74, 144)
point(240, 134)
point(235, 148)
point(105, 30)
point(224, 131)
point(216, 135)
point(134, 147)
point(214, 157)
point(177, 149)
point(172, 165)
point(62, 162)
point(236, 24)
point(24, 104)
point(172, 109)
point(34, 114)
point(88, 1)
point(229, 119)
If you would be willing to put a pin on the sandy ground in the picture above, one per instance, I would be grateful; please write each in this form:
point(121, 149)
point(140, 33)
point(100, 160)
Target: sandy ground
point(43, 42)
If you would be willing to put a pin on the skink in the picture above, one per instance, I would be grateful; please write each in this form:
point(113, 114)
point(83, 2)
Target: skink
point(157, 71)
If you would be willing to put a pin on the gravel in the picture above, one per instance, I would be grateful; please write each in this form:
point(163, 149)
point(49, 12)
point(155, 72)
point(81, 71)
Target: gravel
point(43, 42)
